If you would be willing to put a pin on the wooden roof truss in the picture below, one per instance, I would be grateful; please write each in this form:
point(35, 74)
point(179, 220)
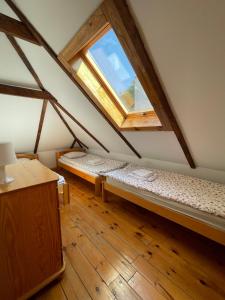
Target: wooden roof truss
point(25, 30)
point(37, 94)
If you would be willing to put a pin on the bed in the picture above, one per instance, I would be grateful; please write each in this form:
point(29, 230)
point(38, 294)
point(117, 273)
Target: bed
point(173, 196)
point(80, 167)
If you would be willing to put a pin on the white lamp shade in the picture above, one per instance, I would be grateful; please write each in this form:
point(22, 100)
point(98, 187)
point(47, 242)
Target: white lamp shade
point(7, 154)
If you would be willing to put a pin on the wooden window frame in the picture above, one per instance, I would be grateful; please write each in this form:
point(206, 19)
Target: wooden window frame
point(82, 54)
point(132, 120)
point(95, 27)
point(117, 11)
point(117, 14)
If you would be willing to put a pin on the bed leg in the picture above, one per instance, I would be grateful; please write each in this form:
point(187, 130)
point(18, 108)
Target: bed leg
point(97, 188)
point(58, 168)
point(104, 193)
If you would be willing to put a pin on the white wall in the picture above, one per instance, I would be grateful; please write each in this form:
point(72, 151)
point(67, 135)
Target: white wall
point(186, 42)
point(12, 69)
point(19, 121)
point(205, 173)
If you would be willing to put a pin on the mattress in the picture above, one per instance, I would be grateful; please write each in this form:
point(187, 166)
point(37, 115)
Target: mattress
point(71, 164)
point(197, 193)
point(210, 219)
point(100, 169)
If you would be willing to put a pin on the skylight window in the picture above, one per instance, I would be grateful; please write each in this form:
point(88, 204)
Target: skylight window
point(101, 62)
point(103, 68)
point(111, 66)
point(111, 60)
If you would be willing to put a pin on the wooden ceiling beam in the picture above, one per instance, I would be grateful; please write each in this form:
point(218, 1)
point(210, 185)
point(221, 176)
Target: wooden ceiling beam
point(16, 28)
point(80, 125)
point(52, 53)
point(24, 92)
point(136, 48)
point(23, 57)
point(67, 125)
point(37, 79)
point(73, 143)
point(78, 143)
point(42, 117)
point(26, 62)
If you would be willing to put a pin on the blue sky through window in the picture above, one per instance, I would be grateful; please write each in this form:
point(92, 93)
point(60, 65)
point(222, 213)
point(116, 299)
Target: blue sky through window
point(112, 61)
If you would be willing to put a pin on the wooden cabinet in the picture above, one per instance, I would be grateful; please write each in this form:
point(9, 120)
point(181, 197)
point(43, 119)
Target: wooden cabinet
point(30, 236)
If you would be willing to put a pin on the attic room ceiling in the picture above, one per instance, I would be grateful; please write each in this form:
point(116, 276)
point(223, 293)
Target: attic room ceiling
point(42, 94)
point(185, 77)
point(117, 15)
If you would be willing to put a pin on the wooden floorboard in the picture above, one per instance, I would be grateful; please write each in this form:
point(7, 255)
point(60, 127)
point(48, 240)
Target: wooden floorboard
point(116, 250)
point(52, 292)
point(72, 284)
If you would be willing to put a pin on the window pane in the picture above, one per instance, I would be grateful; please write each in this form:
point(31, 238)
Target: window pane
point(97, 90)
point(110, 58)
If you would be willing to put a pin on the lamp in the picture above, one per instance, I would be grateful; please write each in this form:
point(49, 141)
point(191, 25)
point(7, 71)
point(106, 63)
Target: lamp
point(7, 156)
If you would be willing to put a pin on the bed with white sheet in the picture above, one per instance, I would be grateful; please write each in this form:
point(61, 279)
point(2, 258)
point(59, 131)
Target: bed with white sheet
point(87, 166)
point(192, 202)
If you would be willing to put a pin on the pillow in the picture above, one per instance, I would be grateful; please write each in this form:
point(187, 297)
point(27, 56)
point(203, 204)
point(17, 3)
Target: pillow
point(74, 154)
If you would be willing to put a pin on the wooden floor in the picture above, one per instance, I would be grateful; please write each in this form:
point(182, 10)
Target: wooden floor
point(116, 250)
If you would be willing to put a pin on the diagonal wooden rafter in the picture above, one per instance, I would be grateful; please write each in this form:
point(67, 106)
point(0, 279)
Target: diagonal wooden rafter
point(52, 53)
point(16, 28)
point(122, 11)
point(39, 83)
point(122, 7)
point(42, 117)
point(73, 143)
point(79, 124)
point(67, 125)
point(25, 92)
point(77, 143)
point(25, 60)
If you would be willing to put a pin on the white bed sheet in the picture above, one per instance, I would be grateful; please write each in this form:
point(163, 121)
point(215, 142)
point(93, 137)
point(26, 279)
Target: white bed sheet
point(99, 169)
point(197, 193)
point(71, 164)
point(212, 220)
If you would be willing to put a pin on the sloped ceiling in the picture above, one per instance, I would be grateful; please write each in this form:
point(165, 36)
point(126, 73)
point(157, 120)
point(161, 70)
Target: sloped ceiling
point(186, 42)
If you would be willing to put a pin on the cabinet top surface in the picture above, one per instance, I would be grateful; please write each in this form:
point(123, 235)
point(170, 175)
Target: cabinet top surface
point(27, 174)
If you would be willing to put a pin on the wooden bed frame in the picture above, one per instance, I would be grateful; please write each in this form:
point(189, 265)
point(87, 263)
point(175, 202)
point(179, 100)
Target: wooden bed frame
point(97, 181)
point(182, 219)
point(27, 155)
